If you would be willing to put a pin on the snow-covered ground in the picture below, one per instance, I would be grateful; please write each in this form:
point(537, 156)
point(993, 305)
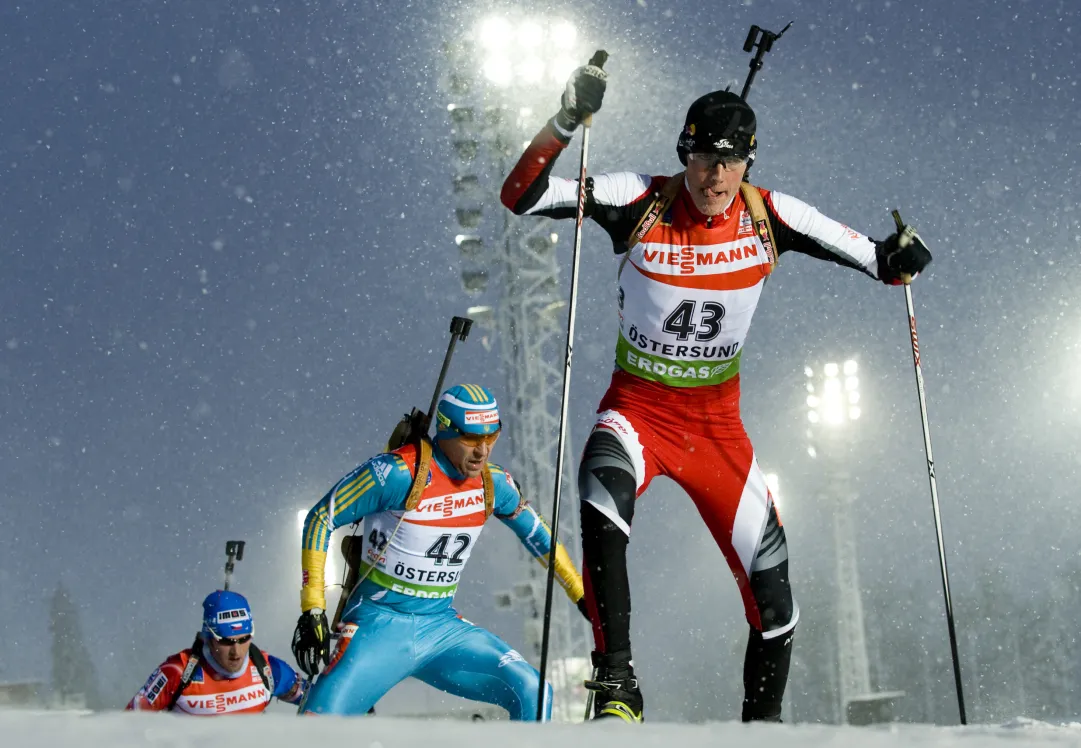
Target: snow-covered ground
point(118, 730)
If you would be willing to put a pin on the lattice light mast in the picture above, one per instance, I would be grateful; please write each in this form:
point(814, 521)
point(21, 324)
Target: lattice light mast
point(500, 73)
point(833, 407)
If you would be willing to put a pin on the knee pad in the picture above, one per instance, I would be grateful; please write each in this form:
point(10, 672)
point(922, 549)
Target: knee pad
point(769, 582)
point(777, 610)
point(606, 479)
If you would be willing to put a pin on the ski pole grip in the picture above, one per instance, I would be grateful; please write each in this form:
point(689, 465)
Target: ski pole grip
point(598, 59)
point(905, 277)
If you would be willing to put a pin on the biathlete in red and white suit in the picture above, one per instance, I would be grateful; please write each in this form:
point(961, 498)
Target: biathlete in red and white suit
point(223, 672)
point(687, 291)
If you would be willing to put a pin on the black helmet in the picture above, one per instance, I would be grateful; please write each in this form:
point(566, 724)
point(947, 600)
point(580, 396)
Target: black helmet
point(719, 122)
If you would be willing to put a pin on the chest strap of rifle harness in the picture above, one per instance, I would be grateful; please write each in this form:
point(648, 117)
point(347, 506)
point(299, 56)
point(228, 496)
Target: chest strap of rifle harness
point(197, 657)
point(352, 546)
point(752, 198)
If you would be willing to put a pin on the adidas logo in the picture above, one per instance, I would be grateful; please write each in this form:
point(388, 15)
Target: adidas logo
point(382, 470)
point(509, 657)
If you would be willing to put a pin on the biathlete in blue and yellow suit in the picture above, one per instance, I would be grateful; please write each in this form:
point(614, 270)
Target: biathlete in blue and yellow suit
point(399, 622)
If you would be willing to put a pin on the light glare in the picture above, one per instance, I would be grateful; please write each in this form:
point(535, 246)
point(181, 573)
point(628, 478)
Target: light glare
point(497, 70)
point(495, 33)
point(530, 34)
point(773, 482)
point(831, 369)
point(561, 68)
point(531, 70)
point(854, 413)
point(563, 34)
point(850, 368)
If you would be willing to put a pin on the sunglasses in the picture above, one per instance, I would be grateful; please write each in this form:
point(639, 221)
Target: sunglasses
point(475, 440)
point(236, 640)
point(711, 160)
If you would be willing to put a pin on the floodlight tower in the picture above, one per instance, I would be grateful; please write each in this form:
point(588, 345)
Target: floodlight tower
point(833, 398)
point(500, 73)
point(833, 408)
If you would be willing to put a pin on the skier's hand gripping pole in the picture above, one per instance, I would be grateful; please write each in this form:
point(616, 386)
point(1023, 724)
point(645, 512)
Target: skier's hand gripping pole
point(598, 60)
point(907, 237)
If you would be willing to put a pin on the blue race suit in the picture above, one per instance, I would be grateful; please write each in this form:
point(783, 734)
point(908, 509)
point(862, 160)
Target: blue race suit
point(399, 621)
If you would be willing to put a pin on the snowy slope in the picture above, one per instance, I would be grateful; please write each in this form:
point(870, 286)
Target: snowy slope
point(118, 730)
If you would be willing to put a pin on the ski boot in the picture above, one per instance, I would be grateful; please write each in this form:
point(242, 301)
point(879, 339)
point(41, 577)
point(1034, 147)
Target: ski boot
point(615, 687)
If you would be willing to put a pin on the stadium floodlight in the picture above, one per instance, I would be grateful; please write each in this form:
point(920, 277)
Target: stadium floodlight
point(468, 218)
point(531, 70)
point(833, 397)
point(498, 71)
point(526, 52)
point(474, 281)
point(302, 514)
point(530, 35)
point(466, 148)
point(563, 34)
point(495, 33)
point(561, 67)
point(460, 115)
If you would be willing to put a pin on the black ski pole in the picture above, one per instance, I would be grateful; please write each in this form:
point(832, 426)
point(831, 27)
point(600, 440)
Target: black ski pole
point(598, 59)
point(905, 235)
point(234, 551)
point(763, 39)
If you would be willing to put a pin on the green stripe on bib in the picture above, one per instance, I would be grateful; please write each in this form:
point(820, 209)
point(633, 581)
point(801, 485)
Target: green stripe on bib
point(407, 588)
point(674, 372)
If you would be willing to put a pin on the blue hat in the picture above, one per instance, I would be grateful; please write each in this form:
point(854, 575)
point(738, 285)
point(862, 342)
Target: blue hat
point(226, 614)
point(466, 409)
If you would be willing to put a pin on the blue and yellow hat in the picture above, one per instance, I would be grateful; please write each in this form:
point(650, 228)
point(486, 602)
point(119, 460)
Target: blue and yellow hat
point(466, 409)
point(226, 614)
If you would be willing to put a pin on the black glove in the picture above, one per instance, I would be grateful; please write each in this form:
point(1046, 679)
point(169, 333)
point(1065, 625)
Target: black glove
point(311, 641)
point(583, 95)
point(903, 253)
point(583, 609)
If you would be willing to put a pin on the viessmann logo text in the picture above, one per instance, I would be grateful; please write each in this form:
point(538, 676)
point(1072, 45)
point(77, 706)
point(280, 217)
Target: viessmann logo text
point(454, 505)
point(220, 703)
point(723, 258)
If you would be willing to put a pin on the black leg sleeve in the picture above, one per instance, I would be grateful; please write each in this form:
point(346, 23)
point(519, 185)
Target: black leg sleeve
point(606, 479)
point(765, 675)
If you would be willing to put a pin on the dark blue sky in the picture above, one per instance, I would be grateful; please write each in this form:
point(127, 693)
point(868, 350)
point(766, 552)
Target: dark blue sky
point(227, 267)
